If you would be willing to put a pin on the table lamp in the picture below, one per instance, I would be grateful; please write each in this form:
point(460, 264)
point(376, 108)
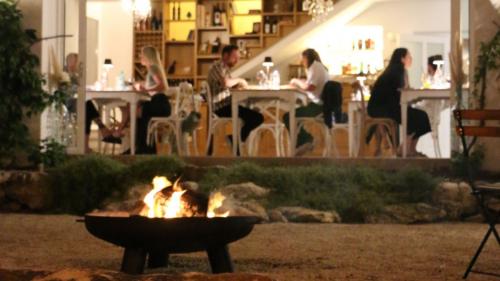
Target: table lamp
point(268, 63)
point(107, 66)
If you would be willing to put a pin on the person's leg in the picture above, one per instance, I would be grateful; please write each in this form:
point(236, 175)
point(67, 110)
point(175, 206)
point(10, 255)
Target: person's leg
point(159, 106)
point(418, 125)
point(251, 120)
point(91, 114)
point(310, 110)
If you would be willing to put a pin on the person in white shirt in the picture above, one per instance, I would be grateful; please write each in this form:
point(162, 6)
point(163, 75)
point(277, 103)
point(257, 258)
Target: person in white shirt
point(317, 76)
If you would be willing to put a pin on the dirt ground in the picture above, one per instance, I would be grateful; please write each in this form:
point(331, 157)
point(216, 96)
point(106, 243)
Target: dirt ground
point(281, 251)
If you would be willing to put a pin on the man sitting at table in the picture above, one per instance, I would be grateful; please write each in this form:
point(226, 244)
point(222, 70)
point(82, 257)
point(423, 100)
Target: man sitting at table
point(220, 83)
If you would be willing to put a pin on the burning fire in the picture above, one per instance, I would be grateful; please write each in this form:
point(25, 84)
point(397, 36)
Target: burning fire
point(160, 205)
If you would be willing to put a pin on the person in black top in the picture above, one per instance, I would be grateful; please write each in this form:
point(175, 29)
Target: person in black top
point(385, 99)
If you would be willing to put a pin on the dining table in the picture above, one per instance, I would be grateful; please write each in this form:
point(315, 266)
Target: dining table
point(290, 96)
point(411, 96)
point(102, 97)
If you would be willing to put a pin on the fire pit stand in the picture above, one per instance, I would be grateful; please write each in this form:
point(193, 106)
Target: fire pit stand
point(134, 260)
point(156, 238)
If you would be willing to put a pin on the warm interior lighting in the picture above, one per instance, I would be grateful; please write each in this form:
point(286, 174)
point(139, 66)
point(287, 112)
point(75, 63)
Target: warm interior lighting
point(317, 8)
point(141, 8)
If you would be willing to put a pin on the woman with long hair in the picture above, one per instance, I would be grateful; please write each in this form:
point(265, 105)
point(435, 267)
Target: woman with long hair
point(386, 95)
point(159, 106)
point(317, 76)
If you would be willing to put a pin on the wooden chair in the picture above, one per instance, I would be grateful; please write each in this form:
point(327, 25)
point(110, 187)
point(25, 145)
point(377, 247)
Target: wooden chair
point(481, 191)
point(214, 122)
point(172, 124)
point(384, 128)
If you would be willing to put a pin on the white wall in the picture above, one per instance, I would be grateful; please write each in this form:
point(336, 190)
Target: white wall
point(115, 36)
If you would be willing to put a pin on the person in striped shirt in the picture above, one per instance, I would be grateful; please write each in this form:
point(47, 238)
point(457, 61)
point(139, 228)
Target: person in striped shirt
point(220, 83)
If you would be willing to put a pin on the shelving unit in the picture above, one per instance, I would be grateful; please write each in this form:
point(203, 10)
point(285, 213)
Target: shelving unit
point(187, 36)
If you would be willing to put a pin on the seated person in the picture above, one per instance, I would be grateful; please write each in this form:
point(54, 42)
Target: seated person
point(91, 113)
point(159, 106)
point(385, 99)
point(432, 68)
point(220, 81)
point(317, 77)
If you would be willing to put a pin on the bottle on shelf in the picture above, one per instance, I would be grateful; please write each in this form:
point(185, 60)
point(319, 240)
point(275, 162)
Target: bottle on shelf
point(216, 16)
point(178, 11)
point(147, 23)
point(160, 21)
point(274, 27)
point(267, 25)
point(154, 21)
point(173, 11)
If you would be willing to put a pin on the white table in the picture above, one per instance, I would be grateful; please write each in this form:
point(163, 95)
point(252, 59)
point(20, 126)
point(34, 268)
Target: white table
point(131, 97)
point(286, 93)
point(414, 95)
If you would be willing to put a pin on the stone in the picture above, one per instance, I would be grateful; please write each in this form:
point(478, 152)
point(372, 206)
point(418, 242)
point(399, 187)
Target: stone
point(132, 207)
point(493, 204)
point(194, 186)
point(475, 218)
point(456, 199)
point(300, 214)
point(138, 192)
point(96, 275)
point(246, 208)
point(408, 214)
point(276, 216)
point(34, 196)
point(242, 191)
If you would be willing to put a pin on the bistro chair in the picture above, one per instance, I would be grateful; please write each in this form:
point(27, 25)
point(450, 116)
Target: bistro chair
point(482, 191)
point(383, 128)
point(272, 110)
point(157, 126)
point(214, 121)
point(329, 135)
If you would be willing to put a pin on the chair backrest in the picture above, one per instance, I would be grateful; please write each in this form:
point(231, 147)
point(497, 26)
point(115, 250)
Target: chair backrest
point(475, 130)
point(186, 102)
point(205, 89)
point(175, 93)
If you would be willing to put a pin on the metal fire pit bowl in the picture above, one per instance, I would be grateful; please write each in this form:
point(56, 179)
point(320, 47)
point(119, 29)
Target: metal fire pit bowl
point(157, 238)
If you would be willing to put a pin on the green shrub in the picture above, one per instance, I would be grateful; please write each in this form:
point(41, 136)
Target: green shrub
point(79, 186)
point(459, 164)
point(50, 153)
point(354, 192)
point(21, 83)
point(144, 170)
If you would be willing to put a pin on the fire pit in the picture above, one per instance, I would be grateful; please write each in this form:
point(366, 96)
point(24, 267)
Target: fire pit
point(172, 221)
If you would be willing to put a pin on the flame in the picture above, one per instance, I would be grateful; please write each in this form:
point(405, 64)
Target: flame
point(216, 200)
point(158, 205)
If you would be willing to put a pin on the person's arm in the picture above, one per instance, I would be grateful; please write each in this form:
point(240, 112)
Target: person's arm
point(303, 85)
point(235, 82)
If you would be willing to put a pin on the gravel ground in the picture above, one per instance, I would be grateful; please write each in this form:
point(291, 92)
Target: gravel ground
point(283, 251)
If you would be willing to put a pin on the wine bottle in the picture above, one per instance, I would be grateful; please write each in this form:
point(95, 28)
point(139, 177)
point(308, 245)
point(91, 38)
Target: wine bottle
point(178, 11)
point(274, 27)
point(160, 21)
point(173, 11)
point(267, 26)
point(154, 21)
point(216, 16)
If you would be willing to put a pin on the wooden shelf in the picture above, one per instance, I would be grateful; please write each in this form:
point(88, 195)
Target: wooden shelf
point(278, 14)
point(157, 32)
point(182, 42)
point(180, 76)
point(208, 57)
point(257, 35)
point(247, 15)
point(213, 28)
point(180, 21)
